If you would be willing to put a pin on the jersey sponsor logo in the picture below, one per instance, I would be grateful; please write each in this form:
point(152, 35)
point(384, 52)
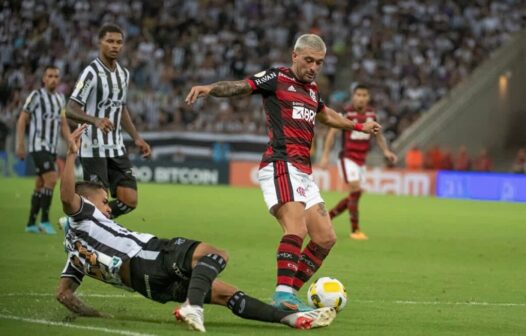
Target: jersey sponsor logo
point(79, 85)
point(301, 112)
point(51, 115)
point(107, 103)
point(292, 88)
point(265, 78)
point(313, 95)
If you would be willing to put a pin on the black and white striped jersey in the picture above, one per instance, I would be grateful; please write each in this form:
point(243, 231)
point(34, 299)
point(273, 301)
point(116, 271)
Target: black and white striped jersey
point(45, 110)
point(97, 246)
point(102, 93)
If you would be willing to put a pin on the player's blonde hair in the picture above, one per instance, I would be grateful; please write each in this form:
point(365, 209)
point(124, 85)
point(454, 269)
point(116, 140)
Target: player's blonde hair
point(311, 41)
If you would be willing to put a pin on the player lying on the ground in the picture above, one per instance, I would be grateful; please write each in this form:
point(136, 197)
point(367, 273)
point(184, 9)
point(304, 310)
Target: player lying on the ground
point(163, 270)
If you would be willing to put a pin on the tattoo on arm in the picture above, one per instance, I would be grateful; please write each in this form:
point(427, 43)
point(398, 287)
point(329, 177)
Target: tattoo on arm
point(230, 88)
point(321, 209)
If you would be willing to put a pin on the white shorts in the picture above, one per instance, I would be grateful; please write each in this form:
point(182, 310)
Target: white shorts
point(350, 171)
point(281, 182)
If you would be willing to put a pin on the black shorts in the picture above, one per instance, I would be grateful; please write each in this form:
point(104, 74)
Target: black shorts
point(44, 162)
point(111, 172)
point(162, 270)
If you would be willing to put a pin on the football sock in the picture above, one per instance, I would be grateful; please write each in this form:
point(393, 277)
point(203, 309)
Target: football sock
point(248, 307)
point(35, 208)
point(353, 209)
point(119, 208)
point(45, 203)
point(203, 274)
point(310, 261)
point(288, 255)
point(340, 207)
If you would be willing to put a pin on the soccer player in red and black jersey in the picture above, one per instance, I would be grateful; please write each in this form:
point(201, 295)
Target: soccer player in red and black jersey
point(292, 105)
point(355, 146)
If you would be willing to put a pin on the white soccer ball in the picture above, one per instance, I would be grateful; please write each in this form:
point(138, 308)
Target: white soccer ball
point(327, 292)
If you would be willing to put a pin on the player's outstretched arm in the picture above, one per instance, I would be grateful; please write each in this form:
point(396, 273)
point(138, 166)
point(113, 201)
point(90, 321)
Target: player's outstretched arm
point(327, 147)
point(219, 89)
point(21, 125)
point(382, 143)
point(74, 112)
point(70, 200)
point(64, 127)
point(129, 127)
point(66, 296)
point(332, 118)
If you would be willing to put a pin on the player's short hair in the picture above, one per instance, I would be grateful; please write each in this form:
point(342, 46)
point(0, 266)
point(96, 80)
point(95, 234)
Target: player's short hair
point(360, 87)
point(50, 66)
point(109, 28)
point(86, 188)
point(311, 41)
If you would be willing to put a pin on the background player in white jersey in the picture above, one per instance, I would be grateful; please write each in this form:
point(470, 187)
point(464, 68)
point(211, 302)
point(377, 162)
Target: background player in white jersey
point(162, 270)
point(43, 110)
point(99, 99)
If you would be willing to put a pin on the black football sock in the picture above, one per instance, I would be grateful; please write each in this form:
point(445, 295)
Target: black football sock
point(45, 203)
point(119, 208)
point(35, 208)
point(251, 308)
point(203, 274)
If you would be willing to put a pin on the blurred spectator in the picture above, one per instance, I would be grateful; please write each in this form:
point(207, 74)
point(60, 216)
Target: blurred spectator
point(462, 161)
point(519, 163)
point(446, 162)
point(483, 161)
point(414, 159)
point(433, 158)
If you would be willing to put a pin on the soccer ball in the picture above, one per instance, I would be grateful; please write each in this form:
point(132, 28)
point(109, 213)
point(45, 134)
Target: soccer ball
point(327, 292)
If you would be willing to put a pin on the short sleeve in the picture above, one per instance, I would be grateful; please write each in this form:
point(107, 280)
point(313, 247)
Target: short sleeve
point(125, 86)
point(31, 102)
point(85, 211)
point(264, 81)
point(70, 271)
point(84, 86)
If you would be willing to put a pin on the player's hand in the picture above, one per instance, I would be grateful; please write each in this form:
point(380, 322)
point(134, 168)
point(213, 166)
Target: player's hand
point(104, 124)
point(391, 157)
point(196, 92)
point(324, 163)
point(21, 152)
point(371, 127)
point(144, 147)
point(74, 139)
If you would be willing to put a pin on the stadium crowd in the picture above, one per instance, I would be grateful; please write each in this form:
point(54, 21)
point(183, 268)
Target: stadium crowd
point(410, 52)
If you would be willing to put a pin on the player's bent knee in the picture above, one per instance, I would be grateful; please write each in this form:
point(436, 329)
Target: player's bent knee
point(328, 241)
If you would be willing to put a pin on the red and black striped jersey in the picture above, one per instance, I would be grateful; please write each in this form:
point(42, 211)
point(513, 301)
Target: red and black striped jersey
point(290, 107)
point(355, 144)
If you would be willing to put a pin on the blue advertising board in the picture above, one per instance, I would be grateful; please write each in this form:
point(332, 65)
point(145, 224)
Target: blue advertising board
point(481, 186)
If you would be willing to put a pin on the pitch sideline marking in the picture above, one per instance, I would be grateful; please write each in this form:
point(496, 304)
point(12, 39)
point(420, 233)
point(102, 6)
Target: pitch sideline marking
point(69, 325)
point(405, 302)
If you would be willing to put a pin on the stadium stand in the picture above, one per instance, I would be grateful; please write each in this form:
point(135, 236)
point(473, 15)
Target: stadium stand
point(410, 52)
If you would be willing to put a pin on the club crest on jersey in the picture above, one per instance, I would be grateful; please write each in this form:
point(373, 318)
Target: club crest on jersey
point(301, 191)
point(312, 95)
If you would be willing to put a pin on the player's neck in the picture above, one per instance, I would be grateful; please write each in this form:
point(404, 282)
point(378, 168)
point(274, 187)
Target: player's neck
point(360, 110)
point(111, 64)
point(52, 91)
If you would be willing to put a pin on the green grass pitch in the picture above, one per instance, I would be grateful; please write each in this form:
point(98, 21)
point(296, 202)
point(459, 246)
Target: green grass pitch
point(431, 266)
